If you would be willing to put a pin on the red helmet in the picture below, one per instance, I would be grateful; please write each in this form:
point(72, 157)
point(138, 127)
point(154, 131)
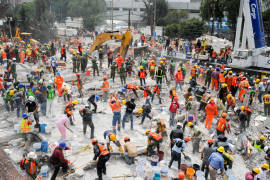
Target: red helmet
point(187, 139)
point(94, 141)
point(127, 138)
point(77, 74)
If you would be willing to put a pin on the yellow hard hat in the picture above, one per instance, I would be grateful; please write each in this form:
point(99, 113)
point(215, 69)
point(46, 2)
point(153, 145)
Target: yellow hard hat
point(11, 92)
point(242, 108)
point(164, 58)
point(224, 85)
point(147, 132)
point(153, 61)
point(141, 67)
point(123, 102)
point(189, 124)
point(229, 95)
point(161, 62)
point(190, 98)
point(221, 149)
point(74, 52)
point(179, 69)
point(140, 110)
point(256, 170)
point(262, 138)
point(230, 72)
point(258, 80)
point(112, 137)
point(75, 102)
point(190, 78)
point(265, 166)
point(172, 87)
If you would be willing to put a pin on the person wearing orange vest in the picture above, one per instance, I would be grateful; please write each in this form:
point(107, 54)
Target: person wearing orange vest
point(102, 155)
point(110, 57)
point(132, 87)
point(156, 90)
point(154, 140)
point(243, 86)
point(142, 74)
point(116, 109)
point(119, 60)
point(105, 88)
point(228, 80)
point(193, 72)
point(215, 79)
point(29, 164)
point(230, 102)
point(79, 84)
point(222, 124)
point(161, 128)
point(234, 86)
point(173, 93)
point(152, 69)
point(22, 56)
point(211, 112)
point(58, 81)
point(63, 53)
point(221, 77)
point(178, 79)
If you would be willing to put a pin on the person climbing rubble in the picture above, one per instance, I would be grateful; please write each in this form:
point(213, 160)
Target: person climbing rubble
point(109, 136)
point(130, 151)
point(154, 141)
point(86, 115)
point(69, 108)
point(62, 124)
point(116, 109)
point(216, 162)
point(205, 154)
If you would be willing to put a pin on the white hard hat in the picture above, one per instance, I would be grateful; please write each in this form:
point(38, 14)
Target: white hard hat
point(14, 59)
point(178, 124)
point(32, 155)
point(50, 81)
point(210, 66)
point(265, 148)
point(31, 98)
point(69, 91)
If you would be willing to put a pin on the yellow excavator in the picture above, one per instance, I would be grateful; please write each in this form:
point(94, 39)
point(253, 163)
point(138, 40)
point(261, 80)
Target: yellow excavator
point(108, 36)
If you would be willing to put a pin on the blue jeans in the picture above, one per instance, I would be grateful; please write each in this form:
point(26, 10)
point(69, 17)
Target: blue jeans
point(43, 107)
point(172, 116)
point(260, 94)
point(19, 107)
point(147, 101)
point(116, 119)
point(130, 115)
point(178, 84)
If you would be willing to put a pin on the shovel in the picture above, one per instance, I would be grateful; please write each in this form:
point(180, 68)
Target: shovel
point(187, 158)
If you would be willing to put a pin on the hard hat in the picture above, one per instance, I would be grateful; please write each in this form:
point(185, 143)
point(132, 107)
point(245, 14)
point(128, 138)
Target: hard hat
point(187, 139)
point(230, 72)
point(141, 67)
point(161, 62)
point(262, 138)
point(224, 115)
point(190, 98)
point(32, 155)
point(112, 137)
point(242, 108)
point(25, 115)
point(179, 69)
point(37, 91)
point(153, 61)
point(224, 85)
point(62, 145)
point(31, 98)
point(178, 124)
point(210, 140)
point(20, 85)
point(127, 138)
point(69, 113)
point(147, 132)
point(189, 124)
point(77, 74)
point(140, 110)
point(172, 87)
point(123, 102)
point(210, 66)
point(93, 141)
point(265, 78)
point(86, 106)
point(190, 117)
point(265, 166)
point(164, 58)
point(190, 78)
point(221, 149)
point(75, 102)
point(258, 80)
point(212, 100)
point(11, 92)
point(58, 74)
point(256, 170)
point(14, 59)
point(229, 95)
point(181, 175)
point(105, 78)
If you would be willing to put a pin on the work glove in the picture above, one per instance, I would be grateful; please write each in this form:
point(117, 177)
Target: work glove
point(110, 147)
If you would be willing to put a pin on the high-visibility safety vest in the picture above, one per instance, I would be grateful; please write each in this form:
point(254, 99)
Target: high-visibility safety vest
point(193, 72)
point(155, 136)
point(244, 84)
point(116, 107)
point(221, 78)
point(69, 106)
point(221, 124)
point(162, 127)
point(231, 101)
point(25, 128)
point(234, 81)
point(106, 86)
point(51, 94)
point(152, 67)
point(159, 73)
point(58, 80)
point(156, 89)
point(145, 94)
point(30, 167)
point(257, 146)
point(131, 86)
point(103, 150)
point(173, 94)
point(266, 98)
point(142, 74)
point(63, 50)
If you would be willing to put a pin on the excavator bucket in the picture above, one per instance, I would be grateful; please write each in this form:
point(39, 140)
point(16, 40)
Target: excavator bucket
point(127, 37)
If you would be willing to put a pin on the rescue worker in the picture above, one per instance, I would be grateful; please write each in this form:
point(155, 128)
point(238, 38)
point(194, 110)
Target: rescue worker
point(154, 140)
point(222, 124)
point(173, 93)
point(177, 149)
point(42, 100)
point(193, 72)
point(113, 68)
point(74, 61)
point(173, 110)
point(103, 155)
point(205, 154)
point(243, 119)
point(13, 69)
point(204, 100)
point(266, 99)
point(261, 88)
point(263, 173)
point(208, 76)
point(234, 86)
point(58, 81)
point(152, 68)
point(116, 109)
point(259, 144)
point(25, 129)
point(129, 113)
point(91, 100)
point(105, 88)
point(86, 114)
point(228, 161)
point(230, 102)
point(18, 99)
point(109, 136)
point(221, 78)
point(156, 91)
point(196, 137)
point(78, 62)
point(95, 66)
point(161, 128)
point(50, 101)
point(159, 74)
point(9, 99)
point(216, 162)
point(188, 94)
point(178, 79)
point(215, 79)
point(199, 93)
point(58, 160)
point(70, 107)
point(176, 133)
point(84, 61)
point(211, 112)
point(30, 165)
point(142, 75)
point(251, 175)
point(223, 92)
point(132, 87)
point(100, 57)
point(228, 80)
point(110, 57)
point(172, 69)
point(79, 84)
point(123, 75)
point(243, 86)
point(130, 151)
point(62, 124)
point(146, 111)
point(63, 53)
point(32, 107)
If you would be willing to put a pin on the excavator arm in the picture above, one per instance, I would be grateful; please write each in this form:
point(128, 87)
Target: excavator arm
point(125, 41)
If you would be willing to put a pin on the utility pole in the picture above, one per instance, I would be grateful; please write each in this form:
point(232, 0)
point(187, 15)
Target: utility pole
point(129, 19)
point(155, 14)
point(112, 13)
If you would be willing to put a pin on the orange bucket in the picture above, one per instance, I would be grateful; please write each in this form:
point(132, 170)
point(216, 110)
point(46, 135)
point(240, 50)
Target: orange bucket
point(190, 173)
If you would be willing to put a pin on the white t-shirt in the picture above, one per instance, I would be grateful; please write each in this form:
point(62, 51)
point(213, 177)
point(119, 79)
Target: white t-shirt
point(262, 175)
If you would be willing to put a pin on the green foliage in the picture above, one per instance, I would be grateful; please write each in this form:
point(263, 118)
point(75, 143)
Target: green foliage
point(174, 17)
point(172, 30)
point(232, 9)
point(212, 9)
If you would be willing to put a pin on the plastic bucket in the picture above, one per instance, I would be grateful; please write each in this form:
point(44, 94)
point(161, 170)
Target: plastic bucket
point(154, 160)
point(44, 171)
point(37, 146)
point(88, 72)
point(190, 173)
point(160, 155)
point(44, 146)
point(43, 128)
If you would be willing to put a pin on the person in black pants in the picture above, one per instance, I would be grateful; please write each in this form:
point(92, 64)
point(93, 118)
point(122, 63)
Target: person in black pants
point(146, 111)
point(91, 100)
point(87, 120)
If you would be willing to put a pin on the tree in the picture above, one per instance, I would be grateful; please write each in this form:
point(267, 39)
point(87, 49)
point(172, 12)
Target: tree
point(60, 9)
point(172, 30)
point(191, 29)
point(232, 9)
point(174, 17)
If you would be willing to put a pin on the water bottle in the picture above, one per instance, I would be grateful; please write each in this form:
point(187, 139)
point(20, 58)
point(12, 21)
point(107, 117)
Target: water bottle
point(156, 176)
point(164, 169)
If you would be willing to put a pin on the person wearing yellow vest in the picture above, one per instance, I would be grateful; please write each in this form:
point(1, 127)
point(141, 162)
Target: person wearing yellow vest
point(266, 100)
point(25, 129)
point(116, 109)
point(154, 140)
point(105, 88)
point(152, 68)
point(172, 93)
point(259, 144)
